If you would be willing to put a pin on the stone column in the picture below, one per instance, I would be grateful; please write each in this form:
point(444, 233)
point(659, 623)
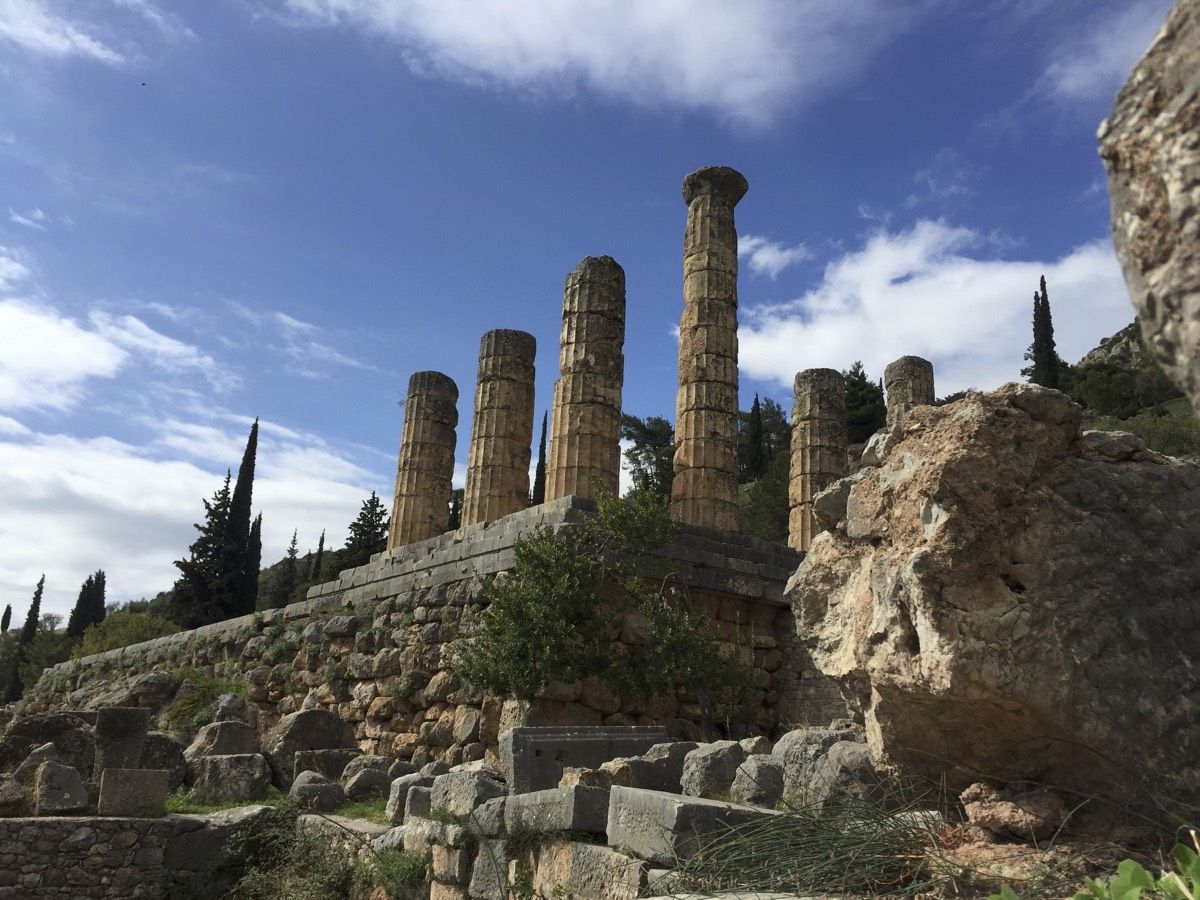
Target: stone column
point(705, 487)
point(502, 430)
point(908, 382)
point(818, 447)
point(421, 508)
point(585, 438)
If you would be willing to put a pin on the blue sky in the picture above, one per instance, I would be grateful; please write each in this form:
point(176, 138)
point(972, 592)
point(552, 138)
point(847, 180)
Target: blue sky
point(222, 209)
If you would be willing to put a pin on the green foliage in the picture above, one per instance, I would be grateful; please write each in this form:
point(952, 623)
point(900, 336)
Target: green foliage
point(1173, 434)
point(30, 629)
point(1120, 390)
point(89, 606)
point(368, 533)
point(371, 810)
point(49, 647)
point(763, 434)
point(866, 410)
point(1133, 881)
point(763, 505)
point(1045, 366)
point(651, 454)
point(6, 619)
point(238, 576)
point(120, 629)
point(538, 493)
point(286, 578)
point(196, 597)
point(182, 803)
point(197, 693)
point(558, 616)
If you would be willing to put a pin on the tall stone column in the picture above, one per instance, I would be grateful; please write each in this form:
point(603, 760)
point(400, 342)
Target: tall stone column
point(705, 487)
point(818, 447)
point(421, 508)
point(502, 430)
point(585, 439)
point(909, 383)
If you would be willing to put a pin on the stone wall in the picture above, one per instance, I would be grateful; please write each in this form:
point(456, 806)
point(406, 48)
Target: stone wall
point(373, 646)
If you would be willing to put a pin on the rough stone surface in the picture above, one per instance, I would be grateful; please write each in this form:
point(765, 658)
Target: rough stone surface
point(1035, 814)
point(533, 757)
point(658, 769)
point(664, 828)
point(222, 739)
point(953, 602)
point(801, 750)
point(909, 383)
point(330, 763)
point(58, 791)
point(162, 751)
point(313, 791)
point(73, 737)
point(459, 793)
point(418, 803)
point(704, 491)
point(120, 737)
point(818, 448)
point(367, 784)
point(421, 508)
point(845, 774)
point(502, 429)
point(133, 792)
point(585, 429)
point(309, 729)
point(361, 763)
point(398, 795)
point(240, 776)
point(27, 770)
point(759, 781)
point(709, 770)
point(580, 809)
point(585, 872)
point(489, 875)
point(13, 800)
point(1150, 151)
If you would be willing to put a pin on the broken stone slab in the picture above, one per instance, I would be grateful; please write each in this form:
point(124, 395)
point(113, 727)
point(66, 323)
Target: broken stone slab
point(133, 792)
point(488, 818)
point(72, 735)
point(313, 791)
point(400, 767)
point(489, 875)
point(459, 793)
point(224, 738)
point(362, 762)
point(58, 791)
point(759, 781)
point(846, 774)
point(164, 752)
point(658, 769)
point(13, 801)
point(709, 770)
point(392, 839)
point(239, 776)
point(27, 770)
point(308, 729)
point(802, 749)
point(533, 758)
point(330, 763)
point(367, 784)
point(120, 737)
point(665, 828)
point(582, 809)
point(418, 803)
point(591, 872)
point(398, 795)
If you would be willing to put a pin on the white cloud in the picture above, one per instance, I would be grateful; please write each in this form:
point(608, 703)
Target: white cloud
point(30, 24)
point(1104, 51)
point(746, 61)
point(767, 257)
point(35, 218)
point(12, 270)
point(167, 353)
point(948, 181)
point(169, 24)
point(75, 504)
point(933, 291)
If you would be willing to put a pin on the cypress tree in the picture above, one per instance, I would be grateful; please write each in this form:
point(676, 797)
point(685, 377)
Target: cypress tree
point(6, 619)
point(80, 614)
point(289, 574)
point(538, 495)
point(241, 580)
point(197, 593)
point(754, 463)
point(866, 411)
point(1045, 367)
point(29, 629)
point(315, 574)
point(254, 561)
point(456, 500)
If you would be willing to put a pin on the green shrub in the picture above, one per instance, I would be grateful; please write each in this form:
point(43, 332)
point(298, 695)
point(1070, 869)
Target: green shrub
point(122, 628)
point(197, 693)
point(557, 617)
point(1175, 434)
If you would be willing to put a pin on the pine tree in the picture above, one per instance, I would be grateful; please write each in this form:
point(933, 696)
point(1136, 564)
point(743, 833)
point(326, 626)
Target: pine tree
point(315, 572)
point(289, 575)
point(253, 561)
point(538, 495)
point(456, 501)
point(197, 593)
point(6, 619)
point(651, 454)
point(29, 629)
point(240, 579)
point(752, 453)
point(368, 533)
point(89, 606)
point(866, 409)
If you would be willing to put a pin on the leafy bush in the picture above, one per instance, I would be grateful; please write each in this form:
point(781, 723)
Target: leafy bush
point(1174, 435)
point(122, 628)
point(198, 692)
point(558, 617)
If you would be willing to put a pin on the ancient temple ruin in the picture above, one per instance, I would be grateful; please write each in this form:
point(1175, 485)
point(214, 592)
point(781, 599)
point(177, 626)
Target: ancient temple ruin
point(818, 447)
point(421, 507)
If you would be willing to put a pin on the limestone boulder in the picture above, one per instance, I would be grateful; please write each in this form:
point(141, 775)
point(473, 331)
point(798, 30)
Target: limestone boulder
point(362, 763)
point(759, 781)
point(313, 791)
point(58, 791)
point(801, 750)
point(239, 776)
point(846, 775)
point(459, 793)
point(398, 795)
point(1032, 814)
point(330, 763)
point(1149, 147)
point(309, 729)
point(709, 770)
point(27, 770)
point(72, 736)
point(367, 784)
point(222, 738)
point(13, 801)
point(164, 752)
point(993, 599)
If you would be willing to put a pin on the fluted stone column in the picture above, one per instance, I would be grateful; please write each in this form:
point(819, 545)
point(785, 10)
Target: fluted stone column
point(818, 447)
point(502, 430)
point(909, 383)
point(421, 508)
point(585, 439)
point(705, 487)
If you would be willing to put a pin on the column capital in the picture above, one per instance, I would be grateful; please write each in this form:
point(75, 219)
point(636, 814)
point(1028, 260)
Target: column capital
point(722, 182)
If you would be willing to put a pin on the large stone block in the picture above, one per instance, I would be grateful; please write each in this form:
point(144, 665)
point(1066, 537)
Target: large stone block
point(330, 763)
point(162, 751)
point(58, 791)
point(398, 795)
point(72, 735)
point(586, 872)
point(133, 792)
point(759, 781)
point(459, 793)
point(223, 738)
point(120, 737)
point(309, 729)
point(576, 808)
point(313, 791)
point(665, 828)
point(242, 776)
point(533, 758)
point(709, 770)
point(489, 875)
point(367, 784)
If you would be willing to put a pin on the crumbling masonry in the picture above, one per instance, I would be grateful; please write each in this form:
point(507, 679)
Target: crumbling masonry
point(909, 383)
point(421, 508)
point(705, 486)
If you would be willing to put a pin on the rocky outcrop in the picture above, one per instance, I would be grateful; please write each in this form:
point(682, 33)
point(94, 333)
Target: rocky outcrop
point(1006, 597)
point(1152, 156)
